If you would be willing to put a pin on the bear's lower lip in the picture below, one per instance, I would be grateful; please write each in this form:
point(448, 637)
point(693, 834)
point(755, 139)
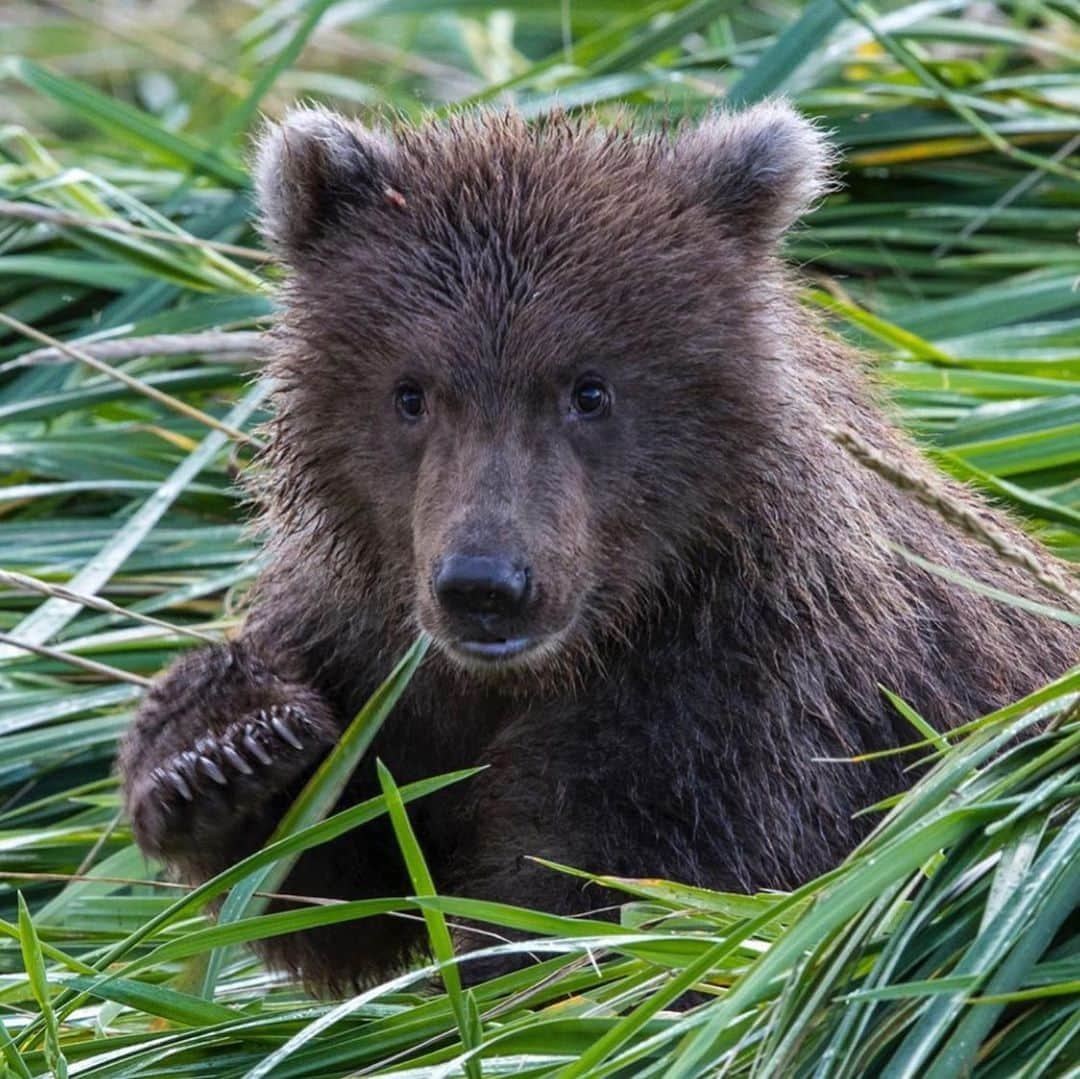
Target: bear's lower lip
point(494, 650)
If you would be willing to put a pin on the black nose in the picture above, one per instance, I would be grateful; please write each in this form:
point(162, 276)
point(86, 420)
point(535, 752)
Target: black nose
point(481, 585)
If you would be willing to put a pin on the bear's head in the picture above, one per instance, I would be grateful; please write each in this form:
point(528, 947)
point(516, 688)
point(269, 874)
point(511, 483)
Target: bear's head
point(521, 366)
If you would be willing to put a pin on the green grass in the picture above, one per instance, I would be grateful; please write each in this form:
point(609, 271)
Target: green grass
point(941, 948)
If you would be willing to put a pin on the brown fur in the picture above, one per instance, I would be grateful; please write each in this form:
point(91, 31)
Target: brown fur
point(711, 578)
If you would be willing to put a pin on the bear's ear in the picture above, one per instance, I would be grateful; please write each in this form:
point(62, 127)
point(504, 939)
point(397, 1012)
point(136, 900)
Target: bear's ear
point(760, 169)
point(311, 167)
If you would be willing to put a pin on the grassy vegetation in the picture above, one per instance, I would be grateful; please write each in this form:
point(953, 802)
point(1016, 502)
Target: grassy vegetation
point(941, 948)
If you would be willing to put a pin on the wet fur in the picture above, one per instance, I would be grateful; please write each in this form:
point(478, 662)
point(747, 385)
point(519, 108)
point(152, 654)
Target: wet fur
point(719, 572)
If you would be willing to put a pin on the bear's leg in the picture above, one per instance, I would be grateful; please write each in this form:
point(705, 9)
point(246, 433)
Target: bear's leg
point(543, 796)
point(218, 751)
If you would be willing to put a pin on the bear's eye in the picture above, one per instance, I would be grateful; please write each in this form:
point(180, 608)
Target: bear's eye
point(591, 397)
point(409, 400)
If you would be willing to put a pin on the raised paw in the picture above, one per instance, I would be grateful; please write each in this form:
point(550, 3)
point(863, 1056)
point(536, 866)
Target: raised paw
point(218, 749)
point(189, 802)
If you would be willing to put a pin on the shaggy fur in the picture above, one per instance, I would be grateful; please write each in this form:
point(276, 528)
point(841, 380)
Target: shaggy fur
point(713, 590)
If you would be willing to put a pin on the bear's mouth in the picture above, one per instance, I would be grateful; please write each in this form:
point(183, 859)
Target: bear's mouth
point(494, 650)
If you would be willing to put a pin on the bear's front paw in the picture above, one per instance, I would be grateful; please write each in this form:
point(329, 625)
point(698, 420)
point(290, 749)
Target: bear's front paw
point(191, 801)
point(216, 743)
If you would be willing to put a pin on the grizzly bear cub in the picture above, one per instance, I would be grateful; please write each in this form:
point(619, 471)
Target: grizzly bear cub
point(545, 392)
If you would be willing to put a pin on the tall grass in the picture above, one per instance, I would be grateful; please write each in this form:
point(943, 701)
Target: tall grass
point(131, 287)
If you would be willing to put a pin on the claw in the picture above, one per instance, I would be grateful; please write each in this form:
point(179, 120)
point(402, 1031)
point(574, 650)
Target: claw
point(213, 771)
point(186, 762)
point(285, 731)
point(295, 715)
point(176, 781)
point(255, 747)
point(236, 760)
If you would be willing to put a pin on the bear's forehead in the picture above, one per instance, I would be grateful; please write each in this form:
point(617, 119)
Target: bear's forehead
point(482, 295)
point(496, 215)
point(516, 253)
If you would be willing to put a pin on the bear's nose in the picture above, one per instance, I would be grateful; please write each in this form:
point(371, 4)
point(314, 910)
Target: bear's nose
point(471, 585)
